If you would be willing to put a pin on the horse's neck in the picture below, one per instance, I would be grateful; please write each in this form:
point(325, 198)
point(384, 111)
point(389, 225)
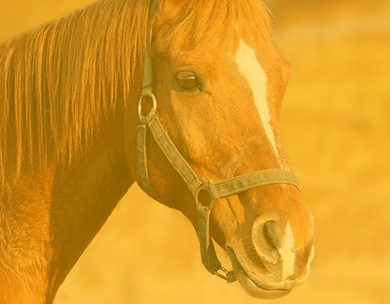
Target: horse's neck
point(47, 221)
point(85, 195)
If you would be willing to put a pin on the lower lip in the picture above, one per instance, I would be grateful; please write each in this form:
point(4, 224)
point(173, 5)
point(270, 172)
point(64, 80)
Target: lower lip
point(250, 286)
point(256, 291)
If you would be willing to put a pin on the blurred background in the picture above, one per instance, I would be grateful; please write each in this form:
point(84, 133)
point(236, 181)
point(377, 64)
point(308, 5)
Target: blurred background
point(336, 121)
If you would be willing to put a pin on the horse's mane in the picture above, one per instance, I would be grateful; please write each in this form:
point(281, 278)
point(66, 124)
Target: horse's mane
point(60, 81)
point(215, 21)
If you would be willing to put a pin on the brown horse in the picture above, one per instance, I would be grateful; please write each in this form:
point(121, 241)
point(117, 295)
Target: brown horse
point(69, 95)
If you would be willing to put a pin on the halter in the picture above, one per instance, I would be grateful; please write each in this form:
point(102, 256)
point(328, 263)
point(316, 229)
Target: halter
point(209, 192)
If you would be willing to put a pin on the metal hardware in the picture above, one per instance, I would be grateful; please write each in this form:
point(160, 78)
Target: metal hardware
point(141, 103)
point(228, 276)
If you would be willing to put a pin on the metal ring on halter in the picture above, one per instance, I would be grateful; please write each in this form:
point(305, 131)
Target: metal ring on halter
point(204, 188)
point(141, 101)
point(229, 276)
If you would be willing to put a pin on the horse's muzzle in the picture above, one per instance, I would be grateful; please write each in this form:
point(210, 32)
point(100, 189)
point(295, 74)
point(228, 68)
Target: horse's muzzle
point(270, 267)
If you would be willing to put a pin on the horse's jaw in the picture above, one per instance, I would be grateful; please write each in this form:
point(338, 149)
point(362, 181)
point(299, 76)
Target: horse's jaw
point(258, 280)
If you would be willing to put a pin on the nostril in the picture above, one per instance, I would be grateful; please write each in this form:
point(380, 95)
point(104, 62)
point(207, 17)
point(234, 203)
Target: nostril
point(266, 237)
point(270, 234)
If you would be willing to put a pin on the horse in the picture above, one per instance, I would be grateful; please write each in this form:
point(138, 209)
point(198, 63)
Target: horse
point(182, 97)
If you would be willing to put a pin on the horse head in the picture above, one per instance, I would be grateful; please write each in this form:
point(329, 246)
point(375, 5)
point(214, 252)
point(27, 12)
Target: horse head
point(218, 83)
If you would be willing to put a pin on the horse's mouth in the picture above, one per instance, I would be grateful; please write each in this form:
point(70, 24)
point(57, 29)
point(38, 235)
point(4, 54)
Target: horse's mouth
point(252, 286)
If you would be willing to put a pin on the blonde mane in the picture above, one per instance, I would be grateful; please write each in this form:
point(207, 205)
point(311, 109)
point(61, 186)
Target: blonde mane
point(60, 81)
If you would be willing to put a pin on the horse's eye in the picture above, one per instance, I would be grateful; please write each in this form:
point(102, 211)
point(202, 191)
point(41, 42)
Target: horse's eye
point(187, 81)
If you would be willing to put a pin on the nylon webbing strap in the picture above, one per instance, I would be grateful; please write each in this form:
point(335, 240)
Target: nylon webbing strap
point(143, 160)
point(252, 180)
point(173, 155)
point(209, 258)
point(217, 190)
point(147, 90)
point(148, 65)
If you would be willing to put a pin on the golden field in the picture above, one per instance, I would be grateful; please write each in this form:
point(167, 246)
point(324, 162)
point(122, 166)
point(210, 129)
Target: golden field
point(336, 121)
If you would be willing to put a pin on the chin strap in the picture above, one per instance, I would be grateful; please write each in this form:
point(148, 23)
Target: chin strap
point(205, 193)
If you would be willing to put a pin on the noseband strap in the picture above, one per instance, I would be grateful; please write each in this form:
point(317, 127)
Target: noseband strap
point(199, 187)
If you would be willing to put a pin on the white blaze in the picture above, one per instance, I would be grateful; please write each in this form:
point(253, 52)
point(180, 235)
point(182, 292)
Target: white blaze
point(257, 80)
point(287, 253)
